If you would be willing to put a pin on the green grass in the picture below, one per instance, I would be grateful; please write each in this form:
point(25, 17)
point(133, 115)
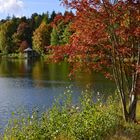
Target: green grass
point(138, 111)
point(13, 56)
point(128, 131)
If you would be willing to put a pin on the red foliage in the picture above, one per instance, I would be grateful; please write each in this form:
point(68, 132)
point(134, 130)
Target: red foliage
point(24, 44)
point(102, 30)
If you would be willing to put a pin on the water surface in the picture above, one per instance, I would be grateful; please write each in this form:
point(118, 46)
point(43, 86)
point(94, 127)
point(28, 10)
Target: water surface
point(30, 84)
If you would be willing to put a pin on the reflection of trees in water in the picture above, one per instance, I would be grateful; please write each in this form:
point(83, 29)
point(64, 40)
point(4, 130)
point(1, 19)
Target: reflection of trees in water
point(38, 70)
point(94, 81)
point(16, 68)
point(50, 75)
point(8, 68)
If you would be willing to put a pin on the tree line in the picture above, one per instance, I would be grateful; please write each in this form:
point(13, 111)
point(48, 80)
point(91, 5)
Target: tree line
point(37, 32)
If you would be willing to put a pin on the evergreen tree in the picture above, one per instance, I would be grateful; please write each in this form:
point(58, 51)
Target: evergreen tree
point(66, 35)
point(52, 16)
point(54, 37)
point(45, 17)
point(57, 34)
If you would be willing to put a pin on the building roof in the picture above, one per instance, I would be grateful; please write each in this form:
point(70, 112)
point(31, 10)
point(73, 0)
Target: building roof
point(28, 50)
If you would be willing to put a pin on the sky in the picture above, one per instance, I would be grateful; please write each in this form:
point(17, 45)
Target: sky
point(26, 8)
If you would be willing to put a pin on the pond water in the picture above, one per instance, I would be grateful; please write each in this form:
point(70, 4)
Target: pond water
point(28, 84)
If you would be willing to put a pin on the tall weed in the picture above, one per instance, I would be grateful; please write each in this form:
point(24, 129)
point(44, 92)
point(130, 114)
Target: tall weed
point(85, 121)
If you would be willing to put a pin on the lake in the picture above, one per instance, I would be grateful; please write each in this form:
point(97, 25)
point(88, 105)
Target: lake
point(29, 84)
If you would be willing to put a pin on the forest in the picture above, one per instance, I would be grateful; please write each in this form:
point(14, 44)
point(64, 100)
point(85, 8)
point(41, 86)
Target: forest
point(37, 32)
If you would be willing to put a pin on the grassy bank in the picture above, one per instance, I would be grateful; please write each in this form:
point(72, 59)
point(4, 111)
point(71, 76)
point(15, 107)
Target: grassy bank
point(64, 121)
point(21, 56)
point(12, 55)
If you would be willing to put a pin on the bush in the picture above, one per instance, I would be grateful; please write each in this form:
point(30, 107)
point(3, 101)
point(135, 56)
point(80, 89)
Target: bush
point(86, 121)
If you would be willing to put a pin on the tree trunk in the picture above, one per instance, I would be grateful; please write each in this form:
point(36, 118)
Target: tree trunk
point(130, 114)
point(132, 108)
point(133, 101)
point(125, 112)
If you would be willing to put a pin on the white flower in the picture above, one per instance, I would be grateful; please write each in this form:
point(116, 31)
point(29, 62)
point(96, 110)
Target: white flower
point(98, 93)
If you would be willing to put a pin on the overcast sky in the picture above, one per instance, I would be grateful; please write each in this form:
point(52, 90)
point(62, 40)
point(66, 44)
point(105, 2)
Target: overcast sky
point(27, 7)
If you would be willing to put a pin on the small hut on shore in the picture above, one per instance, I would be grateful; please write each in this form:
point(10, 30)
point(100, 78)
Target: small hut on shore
point(30, 53)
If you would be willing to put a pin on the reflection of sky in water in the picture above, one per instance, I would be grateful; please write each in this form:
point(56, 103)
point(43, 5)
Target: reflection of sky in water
point(34, 83)
point(22, 92)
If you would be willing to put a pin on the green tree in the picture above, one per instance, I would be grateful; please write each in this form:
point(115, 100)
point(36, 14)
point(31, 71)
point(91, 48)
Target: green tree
point(7, 29)
point(41, 37)
point(52, 16)
point(66, 35)
point(45, 17)
point(33, 21)
point(38, 21)
point(54, 37)
point(58, 34)
point(61, 28)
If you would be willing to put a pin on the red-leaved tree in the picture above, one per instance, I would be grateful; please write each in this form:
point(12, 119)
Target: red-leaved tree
point(107, 39)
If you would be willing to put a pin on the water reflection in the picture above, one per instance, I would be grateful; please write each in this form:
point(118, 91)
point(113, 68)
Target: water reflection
point(34, 70)
point(42, 75)
point(35, 83)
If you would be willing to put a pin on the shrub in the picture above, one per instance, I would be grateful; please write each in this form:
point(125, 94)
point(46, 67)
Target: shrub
point(86, 121)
